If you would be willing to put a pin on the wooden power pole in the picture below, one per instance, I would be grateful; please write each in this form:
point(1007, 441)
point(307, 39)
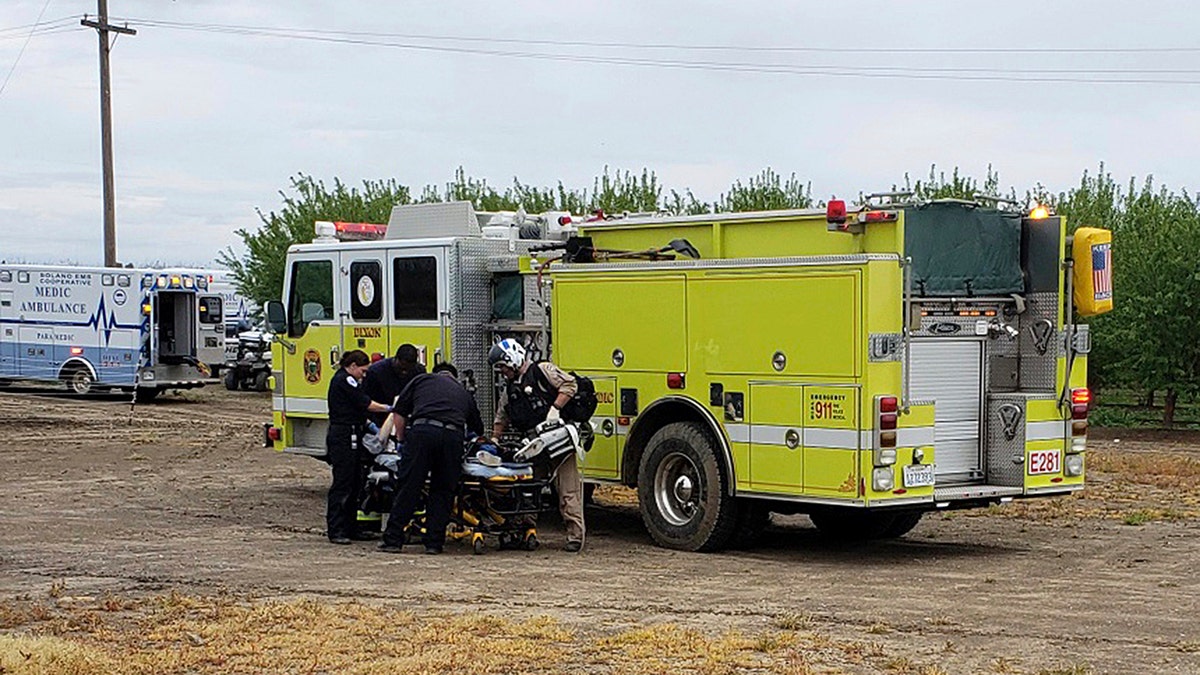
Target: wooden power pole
point(110, 211)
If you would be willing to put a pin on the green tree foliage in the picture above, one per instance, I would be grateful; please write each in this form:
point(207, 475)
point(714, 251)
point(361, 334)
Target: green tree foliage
point(1151, 340)
point(937, 186)
point(765, 192)
point(258, 274)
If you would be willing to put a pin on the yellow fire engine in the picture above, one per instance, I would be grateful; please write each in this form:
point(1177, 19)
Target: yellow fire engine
point(861, 365)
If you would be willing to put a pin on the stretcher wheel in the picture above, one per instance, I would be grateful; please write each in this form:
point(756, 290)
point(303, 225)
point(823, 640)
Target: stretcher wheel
point(531, 541)
point(477, 545)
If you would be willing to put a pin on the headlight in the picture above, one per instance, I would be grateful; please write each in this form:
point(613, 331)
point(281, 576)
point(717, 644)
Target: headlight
point(1073, 465)
point(882, 479)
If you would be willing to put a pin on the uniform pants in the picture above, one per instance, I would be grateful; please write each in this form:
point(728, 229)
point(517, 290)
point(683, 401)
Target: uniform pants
point(569, 485)
point(341, 512)
point(435, 453)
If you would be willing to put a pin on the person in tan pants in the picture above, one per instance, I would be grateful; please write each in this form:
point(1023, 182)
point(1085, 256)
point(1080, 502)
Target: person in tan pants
point(534, 393)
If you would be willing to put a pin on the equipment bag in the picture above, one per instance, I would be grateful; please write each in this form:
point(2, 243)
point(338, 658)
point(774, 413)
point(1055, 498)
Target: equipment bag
point(583, 404)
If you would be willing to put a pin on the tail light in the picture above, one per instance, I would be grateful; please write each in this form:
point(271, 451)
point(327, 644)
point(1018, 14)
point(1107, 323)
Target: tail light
point(1081, 402)
point(886, 412)
point(274, 434)
point(675, 380)
point(376, 357)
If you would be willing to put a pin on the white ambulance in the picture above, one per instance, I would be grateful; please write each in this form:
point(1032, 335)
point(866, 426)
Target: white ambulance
point(109, 328)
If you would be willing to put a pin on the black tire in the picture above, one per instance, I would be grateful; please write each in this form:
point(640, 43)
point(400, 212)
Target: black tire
point(231, 379)
point(682, 490)
point(79, 380)
point(903, 524)
point(850, 524)
point(260, 380)
point(146, 394)
point(752, 518)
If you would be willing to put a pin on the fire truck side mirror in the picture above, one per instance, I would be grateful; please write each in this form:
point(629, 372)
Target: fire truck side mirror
point(276, 316)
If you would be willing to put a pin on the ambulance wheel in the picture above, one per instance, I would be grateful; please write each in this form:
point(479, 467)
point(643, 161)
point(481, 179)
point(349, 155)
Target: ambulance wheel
point(260, 381)
point(849, 524)
point(903, 524)
point(682, 490)
point(79, 380)
point(477, 545)
point(231, 379)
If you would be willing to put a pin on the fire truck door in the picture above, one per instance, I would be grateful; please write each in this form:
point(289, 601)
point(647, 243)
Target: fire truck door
point(419, 306)
point(363, 290)
point(949, 371)
point(314, 331)
point(776, 417)
point(602, 460)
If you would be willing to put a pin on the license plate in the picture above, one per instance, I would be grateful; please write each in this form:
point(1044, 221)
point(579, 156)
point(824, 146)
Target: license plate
point(918, 475)
point(1044, 461)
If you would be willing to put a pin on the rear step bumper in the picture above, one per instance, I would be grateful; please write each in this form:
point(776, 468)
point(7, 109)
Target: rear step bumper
point(974, 492)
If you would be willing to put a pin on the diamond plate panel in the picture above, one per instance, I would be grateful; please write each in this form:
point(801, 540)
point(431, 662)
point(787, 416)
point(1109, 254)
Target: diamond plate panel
point(1005, 447)
point(1039, 344)
point(471, 310)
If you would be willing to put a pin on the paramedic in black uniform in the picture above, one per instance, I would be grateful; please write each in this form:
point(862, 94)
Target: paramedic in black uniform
point(386, 378)
point(433, 414)
point(348, 408)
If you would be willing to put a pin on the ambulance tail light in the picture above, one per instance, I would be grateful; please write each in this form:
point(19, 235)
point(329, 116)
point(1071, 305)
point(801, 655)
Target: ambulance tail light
point(886, 420)
point(675, 380)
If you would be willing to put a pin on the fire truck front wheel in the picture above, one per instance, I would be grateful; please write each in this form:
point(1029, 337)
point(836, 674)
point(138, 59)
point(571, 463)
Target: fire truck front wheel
point(682, 490)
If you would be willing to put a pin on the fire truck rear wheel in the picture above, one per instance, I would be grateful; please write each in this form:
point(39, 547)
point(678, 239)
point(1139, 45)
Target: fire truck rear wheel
point(850, 524)
point(146, 394)
point(682, 490)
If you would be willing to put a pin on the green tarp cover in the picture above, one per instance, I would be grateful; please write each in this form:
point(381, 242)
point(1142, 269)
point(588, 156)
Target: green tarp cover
point(962, 250)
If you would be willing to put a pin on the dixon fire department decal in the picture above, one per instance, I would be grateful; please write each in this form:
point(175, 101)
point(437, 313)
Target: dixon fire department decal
point(366, 291)
point(312, 366)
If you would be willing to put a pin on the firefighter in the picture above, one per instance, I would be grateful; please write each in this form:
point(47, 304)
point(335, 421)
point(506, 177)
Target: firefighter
point(348, 408)
point(534, 393)
point(433, 414)
point(386, 378)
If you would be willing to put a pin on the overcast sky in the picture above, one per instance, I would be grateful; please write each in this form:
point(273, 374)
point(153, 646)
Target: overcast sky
point(209, 125)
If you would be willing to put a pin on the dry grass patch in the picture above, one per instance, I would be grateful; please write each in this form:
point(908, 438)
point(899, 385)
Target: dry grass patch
point(176, 633)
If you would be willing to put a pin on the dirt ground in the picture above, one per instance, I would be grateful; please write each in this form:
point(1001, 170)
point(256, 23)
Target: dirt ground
point(99, 500)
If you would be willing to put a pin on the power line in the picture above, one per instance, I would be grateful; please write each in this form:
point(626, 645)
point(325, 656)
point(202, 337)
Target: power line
point(891, 72)
point(683, 46)
point(23, 46)
point(51, 22)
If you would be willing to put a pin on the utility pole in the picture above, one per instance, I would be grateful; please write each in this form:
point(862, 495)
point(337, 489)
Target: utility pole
point(110, 210)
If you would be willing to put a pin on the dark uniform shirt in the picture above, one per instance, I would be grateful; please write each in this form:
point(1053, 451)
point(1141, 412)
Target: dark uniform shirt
point(347, 400)
point(384, 382)
point(439, 397)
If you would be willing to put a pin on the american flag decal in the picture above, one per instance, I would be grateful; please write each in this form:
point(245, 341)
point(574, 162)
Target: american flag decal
point(1102, 271)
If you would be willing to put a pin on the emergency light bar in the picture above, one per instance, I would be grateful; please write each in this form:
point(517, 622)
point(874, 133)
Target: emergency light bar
point(839, 220)
point(358, 231)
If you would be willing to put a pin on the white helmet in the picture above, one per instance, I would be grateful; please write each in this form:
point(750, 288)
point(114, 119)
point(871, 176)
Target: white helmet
point(507, 352)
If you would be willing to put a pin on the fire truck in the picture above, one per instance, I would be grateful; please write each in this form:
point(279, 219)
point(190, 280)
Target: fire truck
point(863, 365)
